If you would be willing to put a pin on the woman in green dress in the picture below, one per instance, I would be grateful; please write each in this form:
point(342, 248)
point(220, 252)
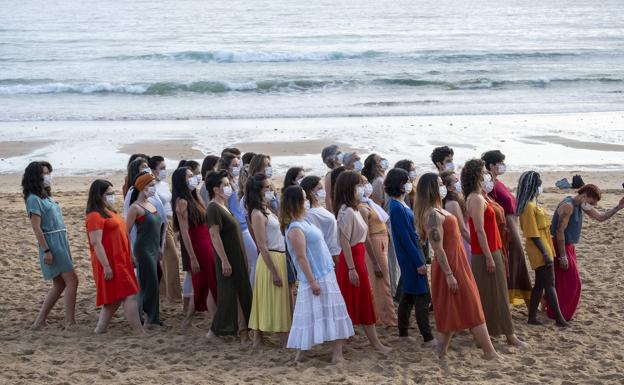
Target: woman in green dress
point(55, 258)
point(146, 248)
point(233, 286)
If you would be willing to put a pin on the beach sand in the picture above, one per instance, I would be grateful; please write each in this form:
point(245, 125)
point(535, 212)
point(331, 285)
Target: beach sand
point(592, 351)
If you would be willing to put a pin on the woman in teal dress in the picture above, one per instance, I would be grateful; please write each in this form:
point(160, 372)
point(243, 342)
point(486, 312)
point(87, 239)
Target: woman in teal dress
point(146, 248)
point(54, 253)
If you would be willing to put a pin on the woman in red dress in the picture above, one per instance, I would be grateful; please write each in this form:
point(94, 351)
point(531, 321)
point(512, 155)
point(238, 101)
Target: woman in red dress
point(111, 258)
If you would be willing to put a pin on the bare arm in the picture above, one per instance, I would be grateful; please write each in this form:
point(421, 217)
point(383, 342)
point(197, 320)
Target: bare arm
point(435, 234)
point(182, 213)
point(565, 212)
point(96, 240)
point(217, 243)
point(476, 208)
point(258, 223)
point(540, 245)
point(298, 241)
point(454, 208)
point(345, 244)
point(364, 211)
point(601, 217)
point(35, 221)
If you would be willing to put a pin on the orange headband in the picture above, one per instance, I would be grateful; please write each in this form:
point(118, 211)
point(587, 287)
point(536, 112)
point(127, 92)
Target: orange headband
point(143, 181)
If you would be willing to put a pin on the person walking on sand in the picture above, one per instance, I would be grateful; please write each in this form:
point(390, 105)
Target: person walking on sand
point(46, 219)
point(566, 227)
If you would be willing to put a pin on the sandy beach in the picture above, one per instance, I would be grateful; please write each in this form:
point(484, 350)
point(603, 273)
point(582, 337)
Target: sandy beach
point(591, 351)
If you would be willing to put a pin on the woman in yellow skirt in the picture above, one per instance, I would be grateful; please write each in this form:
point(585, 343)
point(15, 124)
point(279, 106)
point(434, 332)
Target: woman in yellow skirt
point(270, 308)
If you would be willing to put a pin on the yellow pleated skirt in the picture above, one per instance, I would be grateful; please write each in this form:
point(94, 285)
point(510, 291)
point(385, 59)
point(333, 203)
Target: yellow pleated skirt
point(270, 308)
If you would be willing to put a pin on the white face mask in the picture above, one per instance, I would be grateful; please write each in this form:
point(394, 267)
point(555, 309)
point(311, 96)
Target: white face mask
point(443, 192)
point(321, 194)
point(384, 164)
point(413, 175)
point(408, 187)
point(540, 190)
point(192, 183)
point(268, 171)
point(47, 180)
point(227, 191)
point(110, 199)
point(358, 166)
point(502, 169)
point(236, 171)
point(340, 157)
point(458, 186)
point(306, 204)
point(269, 195)
point(147, 169)
point(488, 185)
point(162, 174)
point(368, 190)
point(449, 166)
point(586, 206)
point(359, 193)
point(150, 191)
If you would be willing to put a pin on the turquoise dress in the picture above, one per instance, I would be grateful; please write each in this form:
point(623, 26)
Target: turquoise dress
point(54, 231)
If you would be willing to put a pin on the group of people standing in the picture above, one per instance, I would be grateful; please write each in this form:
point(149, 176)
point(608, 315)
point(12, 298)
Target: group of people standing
point(348, 244)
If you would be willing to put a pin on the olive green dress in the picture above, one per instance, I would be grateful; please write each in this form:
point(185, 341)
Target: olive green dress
point(146, 248)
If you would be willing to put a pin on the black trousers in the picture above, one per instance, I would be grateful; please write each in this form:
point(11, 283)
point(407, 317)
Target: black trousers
point(420, 303)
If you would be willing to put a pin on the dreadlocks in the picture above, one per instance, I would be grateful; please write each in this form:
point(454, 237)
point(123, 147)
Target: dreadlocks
point(528, 185)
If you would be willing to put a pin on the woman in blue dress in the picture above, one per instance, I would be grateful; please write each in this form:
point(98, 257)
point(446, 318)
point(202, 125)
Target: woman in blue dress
point(55, 259)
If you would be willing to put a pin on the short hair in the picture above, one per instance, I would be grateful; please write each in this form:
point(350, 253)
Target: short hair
point(592, 191)
point(209, 164)
point(226, 161)
point(231, 150)
point(394, 184)
point(246, 158)
point(439, 153)
point(329, 153)
point(492, 157)
point(213, 179)
point(405, 164)
point(308, 184)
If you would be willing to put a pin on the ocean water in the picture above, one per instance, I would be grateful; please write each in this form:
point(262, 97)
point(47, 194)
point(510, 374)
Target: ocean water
point(193, 59)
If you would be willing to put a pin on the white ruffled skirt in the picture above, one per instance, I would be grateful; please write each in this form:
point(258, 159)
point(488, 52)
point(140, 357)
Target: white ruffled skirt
point(321, 318)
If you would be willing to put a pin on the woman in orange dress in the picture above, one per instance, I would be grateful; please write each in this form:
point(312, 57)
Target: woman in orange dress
point(111, 258)
point(454, 291)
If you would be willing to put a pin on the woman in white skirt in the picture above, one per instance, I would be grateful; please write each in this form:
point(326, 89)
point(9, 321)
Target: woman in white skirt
point(320, 311)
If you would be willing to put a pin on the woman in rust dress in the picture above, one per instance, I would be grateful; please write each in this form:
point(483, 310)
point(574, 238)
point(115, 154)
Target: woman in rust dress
point(454, 291)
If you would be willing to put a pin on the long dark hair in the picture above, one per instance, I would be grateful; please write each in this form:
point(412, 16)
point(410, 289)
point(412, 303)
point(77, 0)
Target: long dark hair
point(308, 184)
point(471, 176)
point(154, 161)
point(427, 197)
point(291, 176)
point(225, 163)
point(135, 192)
point(179, 190)
point(209, 164)
point(190, 164)
point(254, 199)
point(344, 191)
point(32, 181)
point(291, 206)
point(134, 169)
point(96, 202)
point(371, 169)
point(453, 195)
point(256, 164)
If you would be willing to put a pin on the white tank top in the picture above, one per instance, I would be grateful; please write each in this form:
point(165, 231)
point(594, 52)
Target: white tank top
point(275, 239)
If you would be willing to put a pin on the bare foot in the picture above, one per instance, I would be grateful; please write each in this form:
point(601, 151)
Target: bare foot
point(300, 357)
point(186, 323)
point(492, 356)
point(38, 325)
point(337, 358)
point(514, 341)
point(212, 337)
point(383, 349)
point(440, 350)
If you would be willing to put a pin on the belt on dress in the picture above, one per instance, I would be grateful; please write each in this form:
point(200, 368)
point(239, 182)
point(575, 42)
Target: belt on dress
point(54, 231)
point(277, 251)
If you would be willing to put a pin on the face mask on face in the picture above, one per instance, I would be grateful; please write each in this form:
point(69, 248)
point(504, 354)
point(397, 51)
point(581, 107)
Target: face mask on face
point(321, 194)
point(150, 191)
point(449, 166)
point(162, 174)
point(306, 205)
point(540, 190)
point(268, 171)
point(147, 169)
point(227, 191)
point(502, 168)
point(359, 193)
point(488, 185)
point(47, 180)
point(458, 186)
point(236, 171)
point(269, 195)
point(408, 187)
point(384, 164)
point(192, 183)
point(443, 192)
point(413, 175)
point(340, 157)
point(110, 199)
point(586, 206)
point(358, 166)
point(368, 190)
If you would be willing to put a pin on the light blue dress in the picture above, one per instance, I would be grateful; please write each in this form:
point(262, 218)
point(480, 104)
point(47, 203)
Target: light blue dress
point(54, 231)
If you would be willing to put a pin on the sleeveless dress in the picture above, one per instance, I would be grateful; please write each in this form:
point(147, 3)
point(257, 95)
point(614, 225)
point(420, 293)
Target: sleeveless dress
point(146, 248)
point(205, 280)
point(462, 310)
point(270, 307)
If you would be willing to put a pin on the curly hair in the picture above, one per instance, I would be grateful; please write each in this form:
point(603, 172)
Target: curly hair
point(394, 184)
point(439, 153)
point(592, 191)
point(471, 176)
point(492, 157)
point(32, 181)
